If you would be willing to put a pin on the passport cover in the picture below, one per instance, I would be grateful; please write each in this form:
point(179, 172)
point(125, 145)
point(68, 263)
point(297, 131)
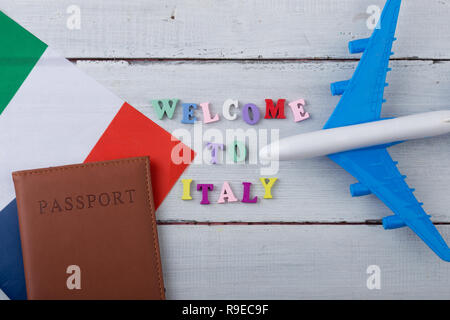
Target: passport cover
point(98, 217)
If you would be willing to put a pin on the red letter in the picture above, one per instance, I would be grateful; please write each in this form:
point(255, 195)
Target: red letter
point(275, 112)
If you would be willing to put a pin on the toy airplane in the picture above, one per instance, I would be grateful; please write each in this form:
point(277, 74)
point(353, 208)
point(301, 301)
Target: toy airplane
point(356, 138)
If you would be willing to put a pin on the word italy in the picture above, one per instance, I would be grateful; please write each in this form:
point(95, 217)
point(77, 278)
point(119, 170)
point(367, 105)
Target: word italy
point(226, 193)
point(250, 112)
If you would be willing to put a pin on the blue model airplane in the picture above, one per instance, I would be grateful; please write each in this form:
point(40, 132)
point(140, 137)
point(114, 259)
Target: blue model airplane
point(373, 167)
point(356, 138)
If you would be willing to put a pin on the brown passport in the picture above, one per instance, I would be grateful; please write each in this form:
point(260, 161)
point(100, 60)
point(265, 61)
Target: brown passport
point(88, 231)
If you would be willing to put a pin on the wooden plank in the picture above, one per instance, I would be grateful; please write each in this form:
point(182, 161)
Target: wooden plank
point(228, 29)
point(298, 262)
point(310, 190)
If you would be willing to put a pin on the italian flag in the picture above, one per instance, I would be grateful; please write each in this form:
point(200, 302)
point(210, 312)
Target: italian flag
point(53, 114)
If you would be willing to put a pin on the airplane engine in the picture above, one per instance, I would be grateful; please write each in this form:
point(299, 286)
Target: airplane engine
point(359, 190)
point(358, 46)
point(338, 88)
point(393, 222)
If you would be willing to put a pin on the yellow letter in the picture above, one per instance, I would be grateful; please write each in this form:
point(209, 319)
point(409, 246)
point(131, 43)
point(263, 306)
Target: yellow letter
point(186, 189)
point(268, 186)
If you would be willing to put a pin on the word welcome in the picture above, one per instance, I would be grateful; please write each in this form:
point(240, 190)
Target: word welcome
point(250, 112)
point(226, 193)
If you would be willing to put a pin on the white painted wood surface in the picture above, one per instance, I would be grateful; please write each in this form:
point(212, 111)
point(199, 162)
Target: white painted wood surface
point(318, 186)
point(298, 262)
point(272, 261)
point(227, 29)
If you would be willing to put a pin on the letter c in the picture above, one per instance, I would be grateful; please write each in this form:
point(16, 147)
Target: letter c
point(226, 109)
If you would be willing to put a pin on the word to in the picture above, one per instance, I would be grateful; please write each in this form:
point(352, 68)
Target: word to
point(234, 146)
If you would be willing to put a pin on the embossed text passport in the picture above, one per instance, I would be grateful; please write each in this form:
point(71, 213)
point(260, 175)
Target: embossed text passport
point(88, 231)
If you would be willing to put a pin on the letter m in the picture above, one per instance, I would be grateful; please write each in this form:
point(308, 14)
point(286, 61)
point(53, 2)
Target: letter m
point(277, 111)
point(166, 106)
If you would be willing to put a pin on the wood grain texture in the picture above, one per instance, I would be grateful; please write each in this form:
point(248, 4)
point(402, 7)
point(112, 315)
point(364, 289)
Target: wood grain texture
point(309, 190)
point(298, 262)
point(272, 261)
point(228, 29)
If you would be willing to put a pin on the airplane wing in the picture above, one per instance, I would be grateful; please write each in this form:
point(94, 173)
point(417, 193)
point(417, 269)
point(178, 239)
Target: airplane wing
point(363, 94)
point(378, 174)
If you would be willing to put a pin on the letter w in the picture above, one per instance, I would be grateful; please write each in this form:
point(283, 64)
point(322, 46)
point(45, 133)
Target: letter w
point(166, 106)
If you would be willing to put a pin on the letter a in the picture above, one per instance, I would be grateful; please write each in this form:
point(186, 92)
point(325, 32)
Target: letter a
point(74, 280)
point(374, 280)
point(226, 194)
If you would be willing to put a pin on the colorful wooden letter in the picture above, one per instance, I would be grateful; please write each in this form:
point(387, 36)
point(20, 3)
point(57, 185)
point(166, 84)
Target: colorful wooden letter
point(226, 194)
point(255, 114)
point(214, 150)
point(205, 189)
point(277, 111)
point(268, 186)
point(233, 151)
point(188, 113)
point(246, 195)
point(207, 114)
point(298, 110)
point(165, 106)
point(186, 189)
point(226, 109)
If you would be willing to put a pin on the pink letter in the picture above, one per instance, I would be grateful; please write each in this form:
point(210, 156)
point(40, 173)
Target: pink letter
point(226, 193)
point(206, 114)
point(297, 109)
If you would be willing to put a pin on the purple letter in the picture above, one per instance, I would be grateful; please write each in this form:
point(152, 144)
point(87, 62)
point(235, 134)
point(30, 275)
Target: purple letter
point(214, 150)
point(246, 196)
point(205, 188)
point(246, 115)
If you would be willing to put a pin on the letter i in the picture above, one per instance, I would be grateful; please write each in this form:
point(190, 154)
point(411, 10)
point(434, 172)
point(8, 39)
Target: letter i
point(186, 189)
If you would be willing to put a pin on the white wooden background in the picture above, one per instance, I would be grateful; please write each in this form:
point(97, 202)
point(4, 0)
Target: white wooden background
point(312, 240)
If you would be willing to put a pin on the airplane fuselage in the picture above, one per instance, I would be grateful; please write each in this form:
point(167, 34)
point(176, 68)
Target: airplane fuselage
point(330, 141)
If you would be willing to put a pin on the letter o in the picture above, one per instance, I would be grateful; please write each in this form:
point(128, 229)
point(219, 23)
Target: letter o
point(100, 197)
point(255, 113)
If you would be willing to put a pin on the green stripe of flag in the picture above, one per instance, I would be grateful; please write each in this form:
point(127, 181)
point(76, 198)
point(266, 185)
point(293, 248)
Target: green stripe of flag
point(19, 52)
